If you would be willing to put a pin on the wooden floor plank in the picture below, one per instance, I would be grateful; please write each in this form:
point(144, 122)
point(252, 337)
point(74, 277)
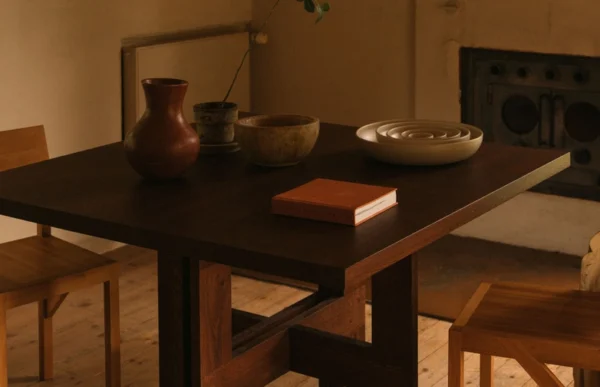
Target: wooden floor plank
point(79, 335)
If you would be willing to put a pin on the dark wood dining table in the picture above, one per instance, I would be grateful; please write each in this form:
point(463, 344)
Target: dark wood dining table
point(218, 216)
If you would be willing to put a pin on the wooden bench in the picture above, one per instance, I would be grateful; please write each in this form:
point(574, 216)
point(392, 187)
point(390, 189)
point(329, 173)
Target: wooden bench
point(44, 269)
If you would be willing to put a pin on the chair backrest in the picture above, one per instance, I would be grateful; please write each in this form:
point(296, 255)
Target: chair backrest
point(19, 147)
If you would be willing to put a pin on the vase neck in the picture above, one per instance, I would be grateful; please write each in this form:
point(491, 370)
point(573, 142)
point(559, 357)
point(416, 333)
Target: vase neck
point(164, 97)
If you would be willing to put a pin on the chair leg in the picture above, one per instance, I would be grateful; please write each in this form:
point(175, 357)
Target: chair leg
point(46, 357)
point(486, 367)
point(112, 335)
point(3, 348)
point(455, 359)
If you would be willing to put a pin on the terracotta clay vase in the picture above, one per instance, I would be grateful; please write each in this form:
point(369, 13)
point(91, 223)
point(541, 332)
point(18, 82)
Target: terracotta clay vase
point(162, 144)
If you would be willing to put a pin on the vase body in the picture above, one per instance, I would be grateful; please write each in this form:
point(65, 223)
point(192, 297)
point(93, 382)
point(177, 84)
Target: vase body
point(162, 144)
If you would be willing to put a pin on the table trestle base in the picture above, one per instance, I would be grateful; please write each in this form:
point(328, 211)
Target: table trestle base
point(321, 336)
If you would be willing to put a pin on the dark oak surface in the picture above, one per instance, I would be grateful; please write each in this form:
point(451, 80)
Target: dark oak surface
point(220, 211)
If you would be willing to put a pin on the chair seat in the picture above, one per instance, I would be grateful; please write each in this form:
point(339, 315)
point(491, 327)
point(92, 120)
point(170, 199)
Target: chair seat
point(37, 260)
point(552, 324)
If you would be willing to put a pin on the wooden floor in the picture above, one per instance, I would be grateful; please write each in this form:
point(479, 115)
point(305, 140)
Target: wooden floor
point(79, 330)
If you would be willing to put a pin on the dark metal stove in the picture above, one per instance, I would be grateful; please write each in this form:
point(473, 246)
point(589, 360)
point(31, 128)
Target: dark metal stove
point(538, 100)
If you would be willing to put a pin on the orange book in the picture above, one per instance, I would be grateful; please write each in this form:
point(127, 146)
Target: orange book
point(335, 201)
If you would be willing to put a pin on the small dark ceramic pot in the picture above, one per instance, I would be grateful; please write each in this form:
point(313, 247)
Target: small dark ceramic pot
point(214, 122)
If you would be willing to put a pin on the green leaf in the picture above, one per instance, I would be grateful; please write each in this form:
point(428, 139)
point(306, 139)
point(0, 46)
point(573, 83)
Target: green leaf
point(326, 7)
point(309, 6)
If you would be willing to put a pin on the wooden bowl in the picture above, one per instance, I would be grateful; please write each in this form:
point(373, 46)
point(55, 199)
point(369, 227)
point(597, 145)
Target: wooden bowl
point(277, 140)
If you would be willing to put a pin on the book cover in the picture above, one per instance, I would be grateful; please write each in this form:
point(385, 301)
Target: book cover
point(335, 201)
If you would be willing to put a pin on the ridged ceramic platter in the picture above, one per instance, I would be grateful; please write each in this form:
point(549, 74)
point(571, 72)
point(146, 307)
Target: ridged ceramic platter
point(432, 132)
point(420, 151)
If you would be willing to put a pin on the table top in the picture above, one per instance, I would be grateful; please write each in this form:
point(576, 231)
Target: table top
point(220, 211)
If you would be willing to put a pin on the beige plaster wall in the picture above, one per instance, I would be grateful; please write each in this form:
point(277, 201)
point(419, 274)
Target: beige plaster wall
point(442, 27)
point(353, 67)
point(60, 66)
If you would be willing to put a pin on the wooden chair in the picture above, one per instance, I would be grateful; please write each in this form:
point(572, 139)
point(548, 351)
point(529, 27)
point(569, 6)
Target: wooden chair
point(590, 281)
point(44, 269)
point(535, 326)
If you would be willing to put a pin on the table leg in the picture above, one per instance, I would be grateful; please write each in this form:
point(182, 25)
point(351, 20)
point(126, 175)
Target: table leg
point(395, 331)
point(194, 319)
point(174, 331)
point(215, 320)
point(354, 327)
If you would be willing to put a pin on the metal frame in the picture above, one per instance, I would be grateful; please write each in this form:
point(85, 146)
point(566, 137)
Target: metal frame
point(129, 61)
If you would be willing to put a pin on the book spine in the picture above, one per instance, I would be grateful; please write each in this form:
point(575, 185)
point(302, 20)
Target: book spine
point(312, 211)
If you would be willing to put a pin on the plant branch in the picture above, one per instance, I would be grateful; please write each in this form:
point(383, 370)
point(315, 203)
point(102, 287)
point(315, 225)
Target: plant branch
point(252, 42)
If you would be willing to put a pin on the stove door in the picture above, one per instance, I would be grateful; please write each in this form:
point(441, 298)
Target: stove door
point(537, 117)
point(518, 115)
point(577, 127)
